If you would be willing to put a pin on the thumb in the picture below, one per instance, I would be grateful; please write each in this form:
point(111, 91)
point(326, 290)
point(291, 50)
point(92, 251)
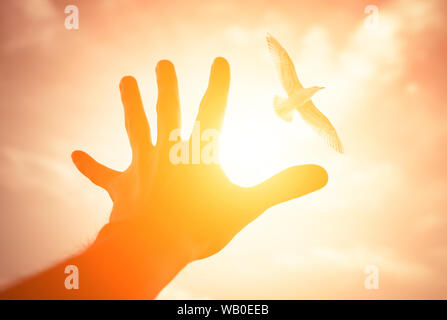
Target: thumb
point(289, 184)
point(96, 172)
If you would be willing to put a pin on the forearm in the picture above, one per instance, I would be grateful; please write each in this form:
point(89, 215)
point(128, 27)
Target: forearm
point(120, 264)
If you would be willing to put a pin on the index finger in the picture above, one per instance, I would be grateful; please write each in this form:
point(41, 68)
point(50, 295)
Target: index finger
point(214, 101)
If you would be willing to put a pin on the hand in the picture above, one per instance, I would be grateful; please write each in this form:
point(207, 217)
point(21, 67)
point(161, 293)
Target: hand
point(195, 206)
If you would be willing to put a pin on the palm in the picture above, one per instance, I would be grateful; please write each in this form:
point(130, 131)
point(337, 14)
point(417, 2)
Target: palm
point(195, 204)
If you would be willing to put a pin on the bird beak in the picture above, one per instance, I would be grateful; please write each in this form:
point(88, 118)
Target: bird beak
point(319, 88)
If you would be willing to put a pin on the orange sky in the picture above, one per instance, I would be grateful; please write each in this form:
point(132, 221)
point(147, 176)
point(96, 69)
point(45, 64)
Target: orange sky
point(385, 201)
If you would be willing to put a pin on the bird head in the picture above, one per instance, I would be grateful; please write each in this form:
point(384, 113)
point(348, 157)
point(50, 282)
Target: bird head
point(316, 88)
point(312, 90)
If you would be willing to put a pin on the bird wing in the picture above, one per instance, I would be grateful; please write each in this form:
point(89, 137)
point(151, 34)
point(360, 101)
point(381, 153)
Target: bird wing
point(321, 125)
point(284, 65)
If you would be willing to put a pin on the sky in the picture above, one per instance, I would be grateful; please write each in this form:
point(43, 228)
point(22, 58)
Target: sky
point(384, 205)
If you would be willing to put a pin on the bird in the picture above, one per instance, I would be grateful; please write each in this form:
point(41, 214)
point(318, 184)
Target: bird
point(299, 98)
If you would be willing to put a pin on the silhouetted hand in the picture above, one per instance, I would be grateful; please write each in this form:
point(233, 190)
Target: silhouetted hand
point(194, 207)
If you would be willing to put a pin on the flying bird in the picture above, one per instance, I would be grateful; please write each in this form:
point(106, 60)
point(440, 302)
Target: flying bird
point(299, 98)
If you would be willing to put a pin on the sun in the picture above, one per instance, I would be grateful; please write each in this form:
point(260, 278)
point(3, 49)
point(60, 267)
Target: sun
point(255, 143)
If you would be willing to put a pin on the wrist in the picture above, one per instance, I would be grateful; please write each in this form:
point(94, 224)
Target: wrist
point(147, 261)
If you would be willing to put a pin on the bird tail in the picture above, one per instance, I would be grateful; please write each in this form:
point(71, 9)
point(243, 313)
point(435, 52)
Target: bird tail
point(281, 110)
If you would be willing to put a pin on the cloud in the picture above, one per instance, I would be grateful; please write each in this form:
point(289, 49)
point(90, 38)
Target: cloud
point(21, 168)
point(33, 24)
